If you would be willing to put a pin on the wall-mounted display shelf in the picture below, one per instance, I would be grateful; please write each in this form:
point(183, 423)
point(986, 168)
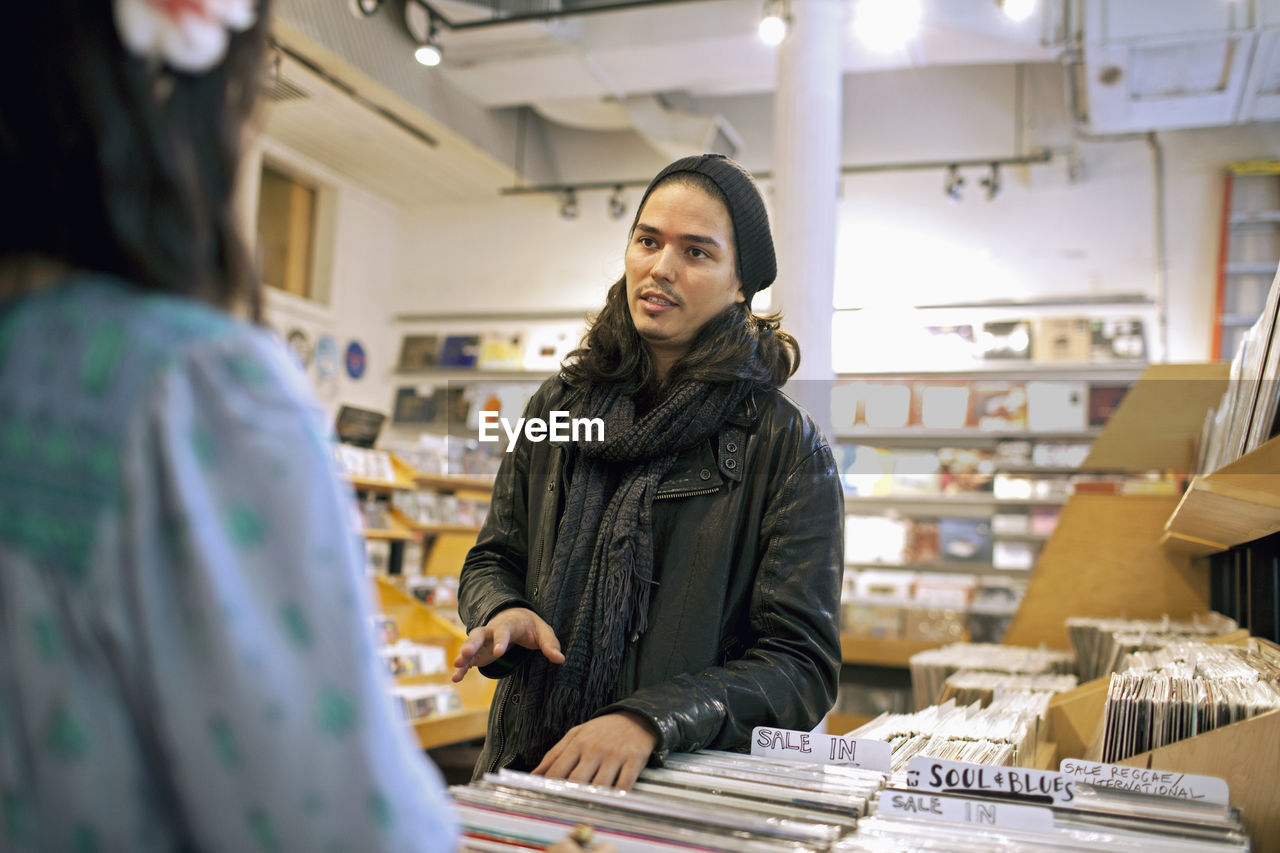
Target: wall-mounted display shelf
point(1238, 503)
point(404, 480)
point(1110, 371)
point(416, 621)
point(454, 482)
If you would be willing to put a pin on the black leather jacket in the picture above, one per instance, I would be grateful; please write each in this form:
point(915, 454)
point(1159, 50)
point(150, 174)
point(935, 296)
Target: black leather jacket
point(748, 550)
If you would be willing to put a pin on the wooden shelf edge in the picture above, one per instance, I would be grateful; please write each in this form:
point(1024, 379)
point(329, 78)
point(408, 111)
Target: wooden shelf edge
point(364, 484)
point(1229, 513)
point(471, 529)
point(442, 730)
point(389, 535)
point(454, 482)
point(1190, 544)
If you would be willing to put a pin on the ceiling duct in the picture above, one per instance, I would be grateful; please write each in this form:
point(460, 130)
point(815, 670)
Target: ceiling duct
point(673, 132)
point(679, 133)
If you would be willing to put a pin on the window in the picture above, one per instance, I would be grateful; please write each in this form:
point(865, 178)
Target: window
point(286, 232)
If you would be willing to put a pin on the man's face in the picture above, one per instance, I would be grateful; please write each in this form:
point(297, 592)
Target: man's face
point(680, 268)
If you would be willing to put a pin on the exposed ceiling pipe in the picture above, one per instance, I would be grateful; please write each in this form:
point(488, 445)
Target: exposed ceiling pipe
point(576, 11)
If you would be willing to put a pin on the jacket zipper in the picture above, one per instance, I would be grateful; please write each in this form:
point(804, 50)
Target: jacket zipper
point(692, 494)
point(502, 738)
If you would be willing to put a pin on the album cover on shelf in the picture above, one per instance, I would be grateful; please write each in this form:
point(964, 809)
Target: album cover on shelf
point(1057, 406)
point(501, 351)
point(1006, 339)
point(414, 407)
point(418, 352)
point(944, 405)
point(886, 405)
point(1061, 339)
point(965, 539)
point(1000, 406)
point(1103, 402)
point(460, 351)
point(546, 348)
point(1117, 339)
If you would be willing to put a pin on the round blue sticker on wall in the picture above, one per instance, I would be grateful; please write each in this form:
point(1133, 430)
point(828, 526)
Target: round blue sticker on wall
point(355, 360)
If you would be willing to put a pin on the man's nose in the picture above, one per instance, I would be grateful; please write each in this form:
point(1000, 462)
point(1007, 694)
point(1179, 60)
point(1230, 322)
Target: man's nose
point(666, 265)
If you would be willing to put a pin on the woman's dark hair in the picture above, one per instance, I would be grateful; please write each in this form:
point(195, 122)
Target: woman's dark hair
point(735, 344)
point(113, 164)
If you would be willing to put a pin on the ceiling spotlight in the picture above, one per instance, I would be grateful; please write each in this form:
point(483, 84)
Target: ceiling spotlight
point(421, 25)
point(429, 55)
point(773, 26)
point(569, 210)
point(954, 184)
point(992, 182)
point(886, 25)
point(1017, 10)
point(617, 204)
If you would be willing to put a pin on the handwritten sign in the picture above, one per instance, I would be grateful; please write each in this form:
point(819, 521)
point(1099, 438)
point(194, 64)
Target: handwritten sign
point(1163, 783)
point(959, 777)
point(960, 810)
point(814, 748)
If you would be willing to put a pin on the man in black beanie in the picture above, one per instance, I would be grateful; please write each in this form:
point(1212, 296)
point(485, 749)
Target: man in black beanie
point(674, 583)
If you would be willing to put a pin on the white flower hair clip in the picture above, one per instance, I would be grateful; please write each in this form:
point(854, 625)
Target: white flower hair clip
point(188, 35)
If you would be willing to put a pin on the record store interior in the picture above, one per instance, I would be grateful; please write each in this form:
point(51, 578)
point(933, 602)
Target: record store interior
point(1028, 252)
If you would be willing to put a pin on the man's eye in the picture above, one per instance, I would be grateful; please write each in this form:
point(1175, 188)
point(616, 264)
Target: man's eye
point(698, 253)
point(647, 242)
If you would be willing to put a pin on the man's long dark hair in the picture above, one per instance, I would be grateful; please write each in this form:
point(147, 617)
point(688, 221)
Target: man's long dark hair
point(735, 344)
point(110, 164)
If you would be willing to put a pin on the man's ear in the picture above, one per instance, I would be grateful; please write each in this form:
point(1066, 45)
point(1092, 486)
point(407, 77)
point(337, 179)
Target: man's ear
point(740, 296)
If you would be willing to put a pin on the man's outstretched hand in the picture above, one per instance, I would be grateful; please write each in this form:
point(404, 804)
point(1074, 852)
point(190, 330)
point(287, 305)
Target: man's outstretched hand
point(517, 625)
point(609, 750)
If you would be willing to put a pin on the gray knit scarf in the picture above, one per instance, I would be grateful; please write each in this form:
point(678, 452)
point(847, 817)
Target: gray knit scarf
point(596, 591)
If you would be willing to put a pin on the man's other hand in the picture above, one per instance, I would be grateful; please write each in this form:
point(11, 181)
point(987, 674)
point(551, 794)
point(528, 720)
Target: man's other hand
point(517, 625)
point(609, 750)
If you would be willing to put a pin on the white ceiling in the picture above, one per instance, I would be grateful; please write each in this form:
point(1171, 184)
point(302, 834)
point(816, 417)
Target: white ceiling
point(1147, 64)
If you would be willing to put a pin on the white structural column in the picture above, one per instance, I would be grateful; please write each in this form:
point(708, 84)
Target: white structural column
point(806, 169)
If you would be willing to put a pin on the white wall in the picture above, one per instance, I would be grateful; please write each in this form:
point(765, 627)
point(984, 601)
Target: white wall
point(360, 246)
point(514, 255)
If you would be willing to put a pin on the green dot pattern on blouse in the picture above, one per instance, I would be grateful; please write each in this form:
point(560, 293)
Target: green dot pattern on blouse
point(64, 737)
point(59, 448)
point(84, 840)
point(262, 829)
point(16, 825)
point(45, 637)
point(102, 358)
point(295, 625)
point(224, 742)
point(202, 446)
point(246, 526)
point(16, 439)
point(247, 371)
point(337, 714)
point(380, 811)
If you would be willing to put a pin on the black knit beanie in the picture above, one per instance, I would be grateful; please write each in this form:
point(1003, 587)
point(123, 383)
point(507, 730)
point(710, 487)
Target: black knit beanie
point(757, 265)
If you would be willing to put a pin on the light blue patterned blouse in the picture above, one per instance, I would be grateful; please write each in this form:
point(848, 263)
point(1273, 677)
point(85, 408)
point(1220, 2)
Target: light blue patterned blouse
point(185, 656)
